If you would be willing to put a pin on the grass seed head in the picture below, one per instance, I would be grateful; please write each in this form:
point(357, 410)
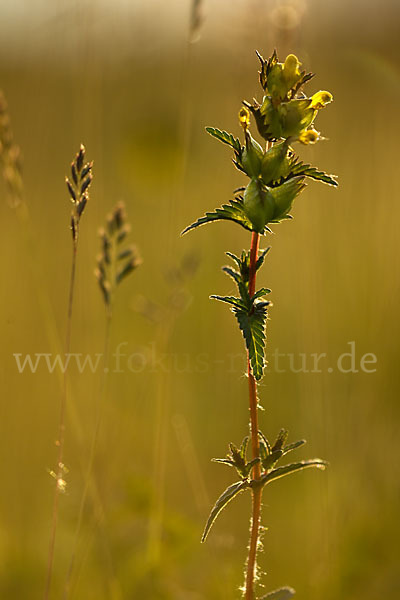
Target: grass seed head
point(78, 189)
point(115, 261)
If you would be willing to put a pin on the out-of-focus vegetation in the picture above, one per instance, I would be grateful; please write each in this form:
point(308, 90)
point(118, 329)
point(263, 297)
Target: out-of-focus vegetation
point(126, 83)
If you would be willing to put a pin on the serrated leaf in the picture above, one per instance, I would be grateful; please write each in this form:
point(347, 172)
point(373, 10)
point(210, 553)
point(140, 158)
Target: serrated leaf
point(228, 495)
point(235, 258)
point(236, 302)
point(234, 211)
point(293, 468)
point(232, 273)
point(293, 446)
point(253, 330)
point(225, 138)
point(239, 166)
point(260, 293)
point(283, 593)
point(299, 168)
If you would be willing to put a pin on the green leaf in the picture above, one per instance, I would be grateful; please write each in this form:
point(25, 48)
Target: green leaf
point(264, 127)
point(225, 138)
point(299, 168)
point(234, 211)
point(232, 273)
point(263, 451)
point(270, 461)
point(293, 468)
point(284, 196)
point(261, 258)
point(235, 258)
point(253, 330)
point(251, 464)
point(237, 302)
point(280, 440)
point(260, 293)
point(243, 447)
point(283, 593)
point(266, 442)
point(293, 446)
point(225, 461)
point(244, 294)
point(228, 495)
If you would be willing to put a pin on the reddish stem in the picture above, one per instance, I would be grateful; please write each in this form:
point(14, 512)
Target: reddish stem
point(255, 444)
point(255, 240)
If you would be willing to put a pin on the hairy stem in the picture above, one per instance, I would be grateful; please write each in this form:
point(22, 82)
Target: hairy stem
point(61, 431)
point(257, 492)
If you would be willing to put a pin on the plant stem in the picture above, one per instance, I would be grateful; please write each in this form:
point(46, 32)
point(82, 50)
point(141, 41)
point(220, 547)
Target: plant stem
point(257, 491)
point(61, 430)
point(89, 475)
point(156, 520)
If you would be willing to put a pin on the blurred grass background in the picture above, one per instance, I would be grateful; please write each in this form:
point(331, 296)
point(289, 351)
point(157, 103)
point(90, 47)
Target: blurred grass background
point(123, 79)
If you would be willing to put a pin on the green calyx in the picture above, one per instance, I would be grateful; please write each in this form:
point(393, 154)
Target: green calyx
point(264, 205)
point(275, 164)
point(258, 204)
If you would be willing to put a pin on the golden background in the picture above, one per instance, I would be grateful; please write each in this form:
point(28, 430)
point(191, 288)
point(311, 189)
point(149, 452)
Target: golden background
point(123, 79)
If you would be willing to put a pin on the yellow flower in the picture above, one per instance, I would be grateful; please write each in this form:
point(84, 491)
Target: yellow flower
point(291, 65)
point(244, 118)
point(311, 136)
point(321, 99)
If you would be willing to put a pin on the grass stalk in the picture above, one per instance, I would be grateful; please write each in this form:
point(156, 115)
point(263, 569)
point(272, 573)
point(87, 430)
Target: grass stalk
point(78, 188)
point(60, 483)
point(114, 264)
point(93, 445)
